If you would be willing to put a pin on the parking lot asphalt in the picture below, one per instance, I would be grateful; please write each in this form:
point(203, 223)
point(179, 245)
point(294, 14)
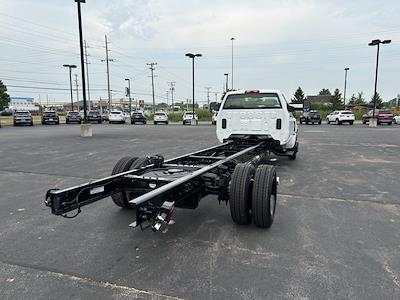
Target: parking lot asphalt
point(336, 233)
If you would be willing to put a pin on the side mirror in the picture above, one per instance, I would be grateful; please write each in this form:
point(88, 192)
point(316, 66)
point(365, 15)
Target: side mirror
point(291, 108)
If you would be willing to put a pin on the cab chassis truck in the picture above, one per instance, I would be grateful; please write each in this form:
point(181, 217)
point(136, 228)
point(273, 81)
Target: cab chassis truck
point(237, 171)
point(154, 187)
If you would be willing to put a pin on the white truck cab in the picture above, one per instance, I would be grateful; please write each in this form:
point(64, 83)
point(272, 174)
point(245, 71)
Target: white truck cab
point(259, 114)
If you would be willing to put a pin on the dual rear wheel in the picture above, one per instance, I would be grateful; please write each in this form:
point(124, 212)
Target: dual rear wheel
point(253, 194)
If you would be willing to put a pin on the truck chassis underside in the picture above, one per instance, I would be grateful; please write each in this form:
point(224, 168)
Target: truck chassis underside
point(155, 187)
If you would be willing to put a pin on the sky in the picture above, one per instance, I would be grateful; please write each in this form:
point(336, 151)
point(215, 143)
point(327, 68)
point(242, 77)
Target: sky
point(279, 44)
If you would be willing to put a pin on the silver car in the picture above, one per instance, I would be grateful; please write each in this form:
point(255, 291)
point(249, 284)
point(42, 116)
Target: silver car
point(22, 117)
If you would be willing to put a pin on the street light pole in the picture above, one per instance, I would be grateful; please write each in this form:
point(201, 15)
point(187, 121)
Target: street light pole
point(70, 83)
point(226, 86)
point(345, 85)
point(129, 94)
point(192, 56)
point(232, 39)
point(376, 43)
point(82, 58)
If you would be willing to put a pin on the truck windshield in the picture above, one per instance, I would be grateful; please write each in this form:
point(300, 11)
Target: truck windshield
point(252, 101)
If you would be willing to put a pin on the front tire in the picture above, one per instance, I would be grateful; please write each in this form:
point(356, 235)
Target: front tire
point(351, 122)
point(240, 193)
point(264, 196)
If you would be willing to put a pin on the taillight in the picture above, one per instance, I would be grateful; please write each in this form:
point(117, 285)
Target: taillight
point(252, 92)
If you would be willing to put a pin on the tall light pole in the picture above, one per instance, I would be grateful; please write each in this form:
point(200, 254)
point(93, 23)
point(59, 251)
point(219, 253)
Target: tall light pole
point(82, 58)
point(192, 56)
point(226, 85)
point(70, 67)
point(129, 94)
point(376, 43)
point(232, 39)
point(345, 85)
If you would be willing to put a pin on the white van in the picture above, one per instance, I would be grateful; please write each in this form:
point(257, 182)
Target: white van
point(259, 114)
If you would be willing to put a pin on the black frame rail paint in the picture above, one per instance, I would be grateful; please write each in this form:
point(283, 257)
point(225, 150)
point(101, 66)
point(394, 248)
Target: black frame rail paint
point(203, 172)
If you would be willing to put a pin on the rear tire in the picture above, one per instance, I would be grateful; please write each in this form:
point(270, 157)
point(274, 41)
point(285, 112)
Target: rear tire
point(264, 196)
point(240, 193)
point(122, 165)
point(294, 155)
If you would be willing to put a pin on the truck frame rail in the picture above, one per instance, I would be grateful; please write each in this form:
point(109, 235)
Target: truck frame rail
point(155, 187)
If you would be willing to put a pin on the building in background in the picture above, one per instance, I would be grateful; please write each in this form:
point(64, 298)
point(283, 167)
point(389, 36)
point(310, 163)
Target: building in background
point(23, 103)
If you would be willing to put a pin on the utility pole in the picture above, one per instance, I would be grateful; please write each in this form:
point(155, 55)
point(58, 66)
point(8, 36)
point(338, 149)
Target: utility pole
point(152, 83)
point(167, 99)
point(77, 90)
point(172, 88)
point(107, 60)
point(345, 86)
point(232, 39)
point(208, 96)
point(87, 72)
point(216, 97)
point(129, 95)
point(101, 107)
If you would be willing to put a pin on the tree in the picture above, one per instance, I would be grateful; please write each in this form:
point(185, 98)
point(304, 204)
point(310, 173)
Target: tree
point(352, 100)
point(298, 96)
point(360, 101)
point(379, 101)
point(325, 92)
point(4, 97)
point(337, 100)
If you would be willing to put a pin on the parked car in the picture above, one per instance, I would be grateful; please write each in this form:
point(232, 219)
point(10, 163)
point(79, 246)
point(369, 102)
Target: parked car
point(340, 116)
point(6, 113)
point(94, 116)
point(73, 117)
point(381, 115)
point(104, 117)
point(50, 117)
point(312, 117)
point(138, 117)
point(214, 118)
point(22, 117)
point(116, 117)
point(160, 117)
point(396, 119)
point(188, 116)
